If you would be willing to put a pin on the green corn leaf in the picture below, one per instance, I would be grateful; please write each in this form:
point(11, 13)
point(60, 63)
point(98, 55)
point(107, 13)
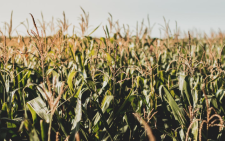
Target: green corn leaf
point(60, 123)
point(105, 104)
point(184, 86)
point(76, 122)
point(79, 91)
point(4, 112)
point(214, 102)
point(79, 58)
point(103, 119)
point(194, 130)
point(103, 40)
point(44, 129)
point(93, 52)
point(94, 30)
point(70, 80)
point(33, 136)
point(122, 130)
point(33, 113)
point(107, 31)
point(39, 106)
point(110, 59)
point(177, 113)
point(72, 53)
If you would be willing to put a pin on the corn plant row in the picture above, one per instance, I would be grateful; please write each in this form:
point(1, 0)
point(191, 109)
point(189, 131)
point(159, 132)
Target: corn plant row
point(117, 87)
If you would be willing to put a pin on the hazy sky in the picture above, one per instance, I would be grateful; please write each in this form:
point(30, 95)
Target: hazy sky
point(203, 15)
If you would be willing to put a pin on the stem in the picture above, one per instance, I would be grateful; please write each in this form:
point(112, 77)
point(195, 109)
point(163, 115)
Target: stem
point(49, 128)
point(4, 95)
point(43, 69)
point(208, 110)
point(114, 78)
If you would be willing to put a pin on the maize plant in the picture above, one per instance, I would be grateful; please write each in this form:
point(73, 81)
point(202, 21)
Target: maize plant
point(117, 87)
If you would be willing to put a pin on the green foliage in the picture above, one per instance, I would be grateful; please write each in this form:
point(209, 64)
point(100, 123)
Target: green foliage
point(89, 88)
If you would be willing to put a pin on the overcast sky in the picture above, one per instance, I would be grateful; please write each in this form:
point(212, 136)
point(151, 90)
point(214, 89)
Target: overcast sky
point(203, 15)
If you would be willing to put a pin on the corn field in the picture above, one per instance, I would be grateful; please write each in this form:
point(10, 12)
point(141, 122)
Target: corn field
point(117, 87)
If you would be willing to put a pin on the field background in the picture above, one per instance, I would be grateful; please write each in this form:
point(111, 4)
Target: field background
point(125, 85)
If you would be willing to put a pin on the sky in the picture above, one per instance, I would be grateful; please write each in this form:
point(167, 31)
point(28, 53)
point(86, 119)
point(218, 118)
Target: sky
point(201, 15)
